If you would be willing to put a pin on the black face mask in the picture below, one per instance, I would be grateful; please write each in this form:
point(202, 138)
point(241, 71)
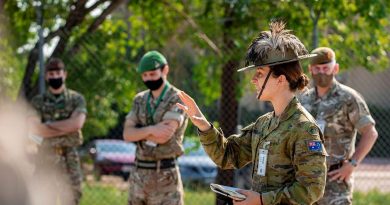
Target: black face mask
point(55, 83)
point(154, 84)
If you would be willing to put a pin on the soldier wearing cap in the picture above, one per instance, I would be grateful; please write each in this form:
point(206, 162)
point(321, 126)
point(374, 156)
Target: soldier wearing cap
point(56, 122)
point(157, 126)
point(340, 112)
point(285, 146)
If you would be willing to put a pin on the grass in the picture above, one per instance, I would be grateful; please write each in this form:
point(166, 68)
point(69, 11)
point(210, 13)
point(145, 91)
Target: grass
point(109, 195)
point(102, 195)
point(373, 197)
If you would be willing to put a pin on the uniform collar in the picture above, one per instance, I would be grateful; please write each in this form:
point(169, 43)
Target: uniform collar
point(154, 100)
point(51, 96)
point(331, 92)
point(291, 108)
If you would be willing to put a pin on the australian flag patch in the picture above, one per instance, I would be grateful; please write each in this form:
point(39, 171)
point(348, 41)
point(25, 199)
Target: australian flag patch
point(315, 146)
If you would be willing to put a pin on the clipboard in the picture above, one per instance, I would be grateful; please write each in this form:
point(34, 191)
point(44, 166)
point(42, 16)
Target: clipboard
point(228, 191)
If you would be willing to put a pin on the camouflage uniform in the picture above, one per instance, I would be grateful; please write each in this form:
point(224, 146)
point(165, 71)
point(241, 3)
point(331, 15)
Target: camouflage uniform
point(343, 112)
point(61, 151)
point(161, 186)
point(295, 168)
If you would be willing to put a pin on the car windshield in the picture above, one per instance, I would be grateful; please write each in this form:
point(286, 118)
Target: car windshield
point(116, 147)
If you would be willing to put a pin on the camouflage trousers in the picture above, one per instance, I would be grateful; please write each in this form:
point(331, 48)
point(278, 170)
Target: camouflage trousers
point(152, 187)
point(337, 193)
point(60, 174)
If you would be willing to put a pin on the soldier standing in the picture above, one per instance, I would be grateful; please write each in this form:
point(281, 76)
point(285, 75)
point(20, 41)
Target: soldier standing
point(56, 124)
point(285, 146)
point(157, 125)
point(340, 112)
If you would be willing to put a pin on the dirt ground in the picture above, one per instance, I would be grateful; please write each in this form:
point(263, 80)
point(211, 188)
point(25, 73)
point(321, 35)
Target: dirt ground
point(371, 174)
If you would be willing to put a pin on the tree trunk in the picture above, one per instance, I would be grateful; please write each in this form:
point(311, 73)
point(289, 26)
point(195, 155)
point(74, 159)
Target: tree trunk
point(229, 102)
point(2, 3)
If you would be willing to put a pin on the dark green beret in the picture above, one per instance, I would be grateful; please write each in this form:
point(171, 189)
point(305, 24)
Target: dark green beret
point(152, 60)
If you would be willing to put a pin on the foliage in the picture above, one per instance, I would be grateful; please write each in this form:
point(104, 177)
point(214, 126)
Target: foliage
point(191, 34)
point(9, 75)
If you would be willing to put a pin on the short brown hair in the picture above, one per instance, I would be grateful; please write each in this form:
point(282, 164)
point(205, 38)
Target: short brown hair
point(55, 64)
point(294, 74)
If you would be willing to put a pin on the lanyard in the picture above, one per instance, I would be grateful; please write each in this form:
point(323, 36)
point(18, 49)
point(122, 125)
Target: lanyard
point(149, 108)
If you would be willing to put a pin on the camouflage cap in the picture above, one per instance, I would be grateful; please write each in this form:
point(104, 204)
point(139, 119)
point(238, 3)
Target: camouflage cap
point(274, 47)
point(152, 60)
point(55, 64)
point(324, 55)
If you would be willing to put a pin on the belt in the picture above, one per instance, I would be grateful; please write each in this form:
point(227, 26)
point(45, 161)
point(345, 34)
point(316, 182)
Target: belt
point(159, 164)
point(335, 166)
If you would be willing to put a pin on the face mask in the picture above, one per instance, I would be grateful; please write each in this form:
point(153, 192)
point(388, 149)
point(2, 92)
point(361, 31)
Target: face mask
point(322, 80)
point(55, 83)
point(154, 84)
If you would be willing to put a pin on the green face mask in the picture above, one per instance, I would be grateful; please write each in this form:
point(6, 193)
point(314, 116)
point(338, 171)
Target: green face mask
point(322, 80)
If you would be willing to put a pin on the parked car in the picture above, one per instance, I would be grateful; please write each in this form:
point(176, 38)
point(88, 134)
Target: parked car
point(196, 166)
point(112, 157)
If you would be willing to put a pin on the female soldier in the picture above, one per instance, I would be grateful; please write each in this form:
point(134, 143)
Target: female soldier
point(285, 146)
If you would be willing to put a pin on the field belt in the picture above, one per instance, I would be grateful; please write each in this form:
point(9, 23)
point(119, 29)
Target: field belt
point(157, 165)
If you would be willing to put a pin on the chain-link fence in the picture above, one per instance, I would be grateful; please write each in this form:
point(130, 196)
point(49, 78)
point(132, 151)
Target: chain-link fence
point(110, 86)
point(102, 68)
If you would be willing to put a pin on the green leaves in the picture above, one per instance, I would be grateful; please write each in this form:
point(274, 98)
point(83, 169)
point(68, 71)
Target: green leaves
point(191, 35)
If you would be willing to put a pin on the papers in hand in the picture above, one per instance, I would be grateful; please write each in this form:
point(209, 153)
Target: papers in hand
point(227, 191)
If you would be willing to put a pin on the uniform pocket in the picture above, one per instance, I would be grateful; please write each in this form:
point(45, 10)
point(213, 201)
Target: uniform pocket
point(167, 179)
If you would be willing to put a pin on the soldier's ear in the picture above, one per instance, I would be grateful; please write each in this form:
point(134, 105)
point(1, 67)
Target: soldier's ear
point(165, 70)
point(65, 74)
point(282, 79)
point(336, 69)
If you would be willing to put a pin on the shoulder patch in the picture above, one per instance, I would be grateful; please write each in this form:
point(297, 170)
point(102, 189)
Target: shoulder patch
point(314, 145)
point(312, 130)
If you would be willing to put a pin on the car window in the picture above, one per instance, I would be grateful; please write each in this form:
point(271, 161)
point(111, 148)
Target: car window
point(197, 152)
point(116, 147)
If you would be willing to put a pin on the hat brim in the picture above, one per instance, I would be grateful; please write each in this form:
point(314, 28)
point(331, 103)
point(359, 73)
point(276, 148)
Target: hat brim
point(277, 63)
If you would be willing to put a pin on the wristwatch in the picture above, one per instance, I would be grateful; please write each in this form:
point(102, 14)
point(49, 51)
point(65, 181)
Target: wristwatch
point(353, 162)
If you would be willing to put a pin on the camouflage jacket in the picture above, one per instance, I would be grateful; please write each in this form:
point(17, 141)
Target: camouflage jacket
point(52, 108)
point(295, 169)
point(343, 111)
point(166, 110)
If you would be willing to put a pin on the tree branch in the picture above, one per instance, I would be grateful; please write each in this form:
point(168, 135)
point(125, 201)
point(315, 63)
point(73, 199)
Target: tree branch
point(95, 24)
point(194, 25)
point(99, 20)
point(93, 7)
